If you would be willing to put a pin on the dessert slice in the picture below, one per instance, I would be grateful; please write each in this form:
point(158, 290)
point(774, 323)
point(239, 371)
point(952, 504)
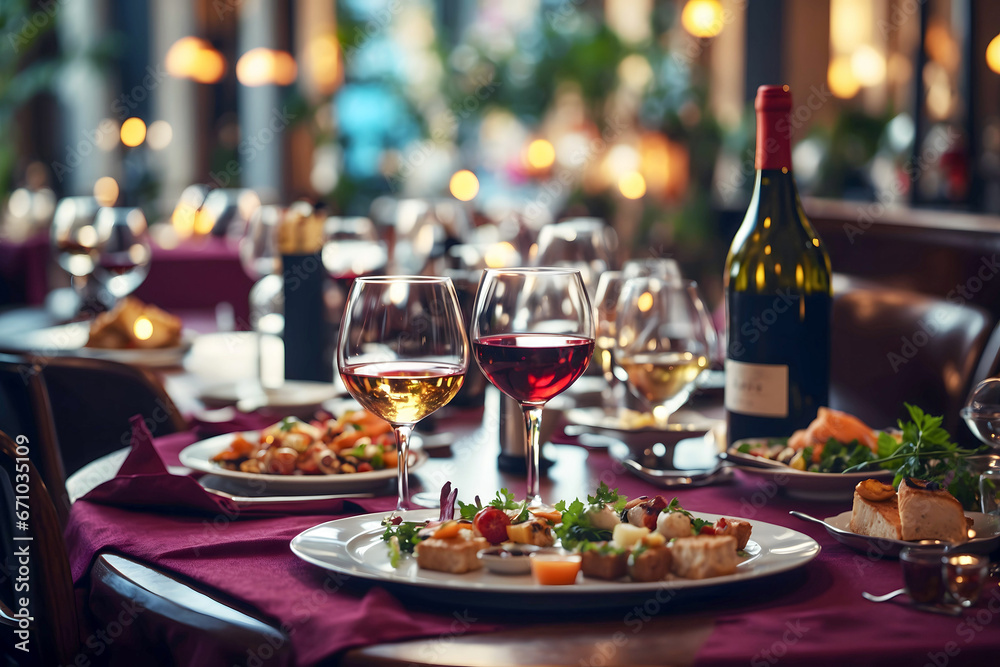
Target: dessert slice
point(928, 512)
point(875, 511)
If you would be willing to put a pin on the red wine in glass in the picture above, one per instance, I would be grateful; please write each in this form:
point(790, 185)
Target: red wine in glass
point(532, 367)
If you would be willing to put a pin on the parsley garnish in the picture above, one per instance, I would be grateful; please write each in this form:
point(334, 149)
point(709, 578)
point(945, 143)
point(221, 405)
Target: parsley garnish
point(576, 527)
point(928, 453)
point(287, 424)
point(402, 537)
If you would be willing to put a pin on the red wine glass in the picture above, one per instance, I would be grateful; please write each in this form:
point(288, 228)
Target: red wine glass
point(533, 336)
point(402, 353)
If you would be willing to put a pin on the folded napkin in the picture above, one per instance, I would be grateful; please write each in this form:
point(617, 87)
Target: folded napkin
point(144, 483)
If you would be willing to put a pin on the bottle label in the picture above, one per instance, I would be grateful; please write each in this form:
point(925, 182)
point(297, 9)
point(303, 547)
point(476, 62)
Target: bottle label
point(757, 389)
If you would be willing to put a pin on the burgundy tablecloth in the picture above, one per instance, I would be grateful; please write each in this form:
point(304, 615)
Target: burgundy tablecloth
point(24, 268)
point(814, 615)
point(198, 274)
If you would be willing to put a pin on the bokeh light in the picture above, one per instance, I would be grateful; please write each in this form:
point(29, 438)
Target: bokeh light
point(868, 66)
point(159, 135)
point(133, 132)
point(106, 191)
point(632, 185)
point(261, 67)
point(143, 328)
point(195, 59)
point(541, 154)
point(993, 54)
point(464, 185)
point(840, 77)
point(703, 18)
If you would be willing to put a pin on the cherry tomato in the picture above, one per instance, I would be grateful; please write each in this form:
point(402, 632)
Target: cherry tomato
point(707, 530)
point(492, 522)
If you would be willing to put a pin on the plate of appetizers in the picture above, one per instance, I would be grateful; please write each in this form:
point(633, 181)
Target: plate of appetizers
point(356, 452)
point(602, 552)
point(810, 464)
point(884, 520)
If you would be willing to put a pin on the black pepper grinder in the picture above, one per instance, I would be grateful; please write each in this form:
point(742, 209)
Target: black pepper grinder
point(300, 239)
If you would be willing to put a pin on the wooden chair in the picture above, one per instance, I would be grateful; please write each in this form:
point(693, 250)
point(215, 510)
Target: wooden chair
point(160, 601)
point(92, 401)
point(54, 633)
point(891, 346)
point(25, 410)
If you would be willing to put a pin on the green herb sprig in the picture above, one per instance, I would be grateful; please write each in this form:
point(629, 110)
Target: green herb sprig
point(576, 527)
point(504, 500)
point(927, 452)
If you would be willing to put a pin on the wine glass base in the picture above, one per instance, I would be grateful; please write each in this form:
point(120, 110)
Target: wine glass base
point(425, 499)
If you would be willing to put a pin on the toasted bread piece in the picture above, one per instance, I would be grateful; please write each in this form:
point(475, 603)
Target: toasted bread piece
point(877, 519)
point(455, 554)
point(704, 556)
point(649, 563)
point(928, 512)
point(604, 563)
point(738, 528)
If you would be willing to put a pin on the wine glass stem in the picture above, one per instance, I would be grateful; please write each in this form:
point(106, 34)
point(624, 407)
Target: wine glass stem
point(532, 420)
point(402, 462)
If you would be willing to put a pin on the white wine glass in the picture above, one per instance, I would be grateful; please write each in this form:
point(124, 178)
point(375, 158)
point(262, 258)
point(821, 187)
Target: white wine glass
point(663, 344)
point(75, 241)
point(402, 353)
point(124, 250)
point(533, 335)
point(609, 289)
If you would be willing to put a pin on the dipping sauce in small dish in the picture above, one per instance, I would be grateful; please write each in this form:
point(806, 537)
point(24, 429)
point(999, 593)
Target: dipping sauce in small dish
point(513, 559)
point(555, 567)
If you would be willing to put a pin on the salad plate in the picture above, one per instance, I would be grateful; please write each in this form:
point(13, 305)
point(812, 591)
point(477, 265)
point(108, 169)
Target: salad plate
point(801, 484)
point(353, 546)
point(199, 457)
point(986, 540)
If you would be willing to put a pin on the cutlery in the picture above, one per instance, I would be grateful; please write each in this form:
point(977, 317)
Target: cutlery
point(882, 598)
point(806, 517)
point(751, 461)
point(258, 501)
point(669, 478)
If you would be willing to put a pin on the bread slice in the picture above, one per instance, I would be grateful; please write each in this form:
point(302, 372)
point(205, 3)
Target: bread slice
point(704, 556)
point(928, 512)
point(877, 519)
point(649, 563)
point(454, 554)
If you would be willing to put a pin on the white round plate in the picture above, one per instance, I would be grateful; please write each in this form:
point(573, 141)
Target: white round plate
point(987, 527)
point(199, 457)
point(70, 340)
point(354, 546)
point(292, 394)
point(805, 485)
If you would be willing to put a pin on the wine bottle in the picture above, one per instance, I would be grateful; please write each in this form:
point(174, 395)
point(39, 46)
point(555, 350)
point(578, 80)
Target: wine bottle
point(778, 294)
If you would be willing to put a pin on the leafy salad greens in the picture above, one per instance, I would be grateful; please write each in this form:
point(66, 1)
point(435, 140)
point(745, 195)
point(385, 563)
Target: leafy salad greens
point(576, 526)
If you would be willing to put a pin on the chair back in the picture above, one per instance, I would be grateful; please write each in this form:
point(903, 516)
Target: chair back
point(891, 346)
point(54, 631)
point(25, 412)
point(92, 401)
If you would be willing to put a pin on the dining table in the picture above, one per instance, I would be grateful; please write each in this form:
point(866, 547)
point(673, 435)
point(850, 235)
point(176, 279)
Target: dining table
point(142, 504)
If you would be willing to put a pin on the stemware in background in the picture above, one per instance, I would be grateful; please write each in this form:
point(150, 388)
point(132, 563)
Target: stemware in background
point(609, 289)
point(664, 268)
point(533, 335)
point(663, 344)
point(586, 244)
point(261, 261)
point(74, 242)
point(352, 249)
point(402, 353)
point(982, 412)
point(124, 252)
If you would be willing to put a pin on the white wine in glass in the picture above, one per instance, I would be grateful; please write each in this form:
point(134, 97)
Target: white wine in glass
point(402, 353)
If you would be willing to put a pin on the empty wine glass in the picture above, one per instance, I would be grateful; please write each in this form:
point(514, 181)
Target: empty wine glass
point(74, 238)
point(352, 248)
point(533, 335)
point(124, 250)
point(586, 244)
point(609, 289)
point(664, 268)
point(663, 344)
point(402, 353)
point(982, 412)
